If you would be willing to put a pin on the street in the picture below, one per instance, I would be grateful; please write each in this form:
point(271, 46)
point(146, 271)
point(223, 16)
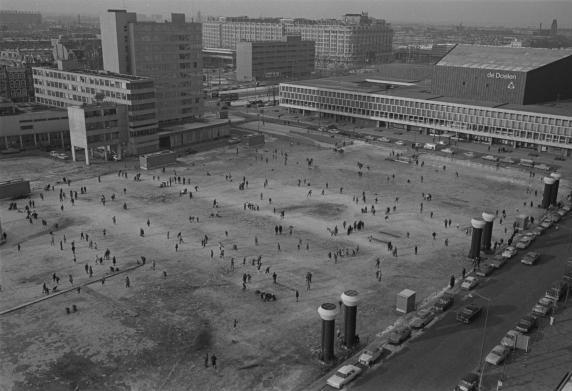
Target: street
point(445, 352)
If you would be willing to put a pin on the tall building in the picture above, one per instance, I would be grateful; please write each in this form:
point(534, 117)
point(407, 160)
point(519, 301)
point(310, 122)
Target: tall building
point(59, 88)
point(554, 28)
point(291, 58)
point(169, 53)
point(354, 40)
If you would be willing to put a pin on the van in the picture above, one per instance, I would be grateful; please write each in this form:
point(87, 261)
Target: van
point(430, 146)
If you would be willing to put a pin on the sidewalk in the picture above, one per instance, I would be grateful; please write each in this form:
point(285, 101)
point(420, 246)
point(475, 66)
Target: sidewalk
point(549, 358)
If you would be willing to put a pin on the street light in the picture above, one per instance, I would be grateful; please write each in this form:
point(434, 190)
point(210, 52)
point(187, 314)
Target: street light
point(481, 362)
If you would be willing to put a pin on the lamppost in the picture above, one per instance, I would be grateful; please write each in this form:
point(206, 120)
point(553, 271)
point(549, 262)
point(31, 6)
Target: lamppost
point(481, 362)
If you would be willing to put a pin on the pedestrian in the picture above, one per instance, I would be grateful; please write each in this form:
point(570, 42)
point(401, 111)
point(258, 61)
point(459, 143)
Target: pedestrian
point(235, 323)
point(274, 276)
point(415, 250)
point(297, 295)
point(213, 361)
point(463, 272)
point(127, 282)
point(452, 281)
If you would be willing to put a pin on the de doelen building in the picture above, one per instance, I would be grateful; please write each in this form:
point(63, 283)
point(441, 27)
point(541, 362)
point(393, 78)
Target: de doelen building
point(516, 96)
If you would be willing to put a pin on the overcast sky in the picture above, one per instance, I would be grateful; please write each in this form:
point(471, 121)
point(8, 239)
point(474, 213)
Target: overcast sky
point(507, 13)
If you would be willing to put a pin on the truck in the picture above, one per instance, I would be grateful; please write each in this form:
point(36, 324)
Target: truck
point(558, 290)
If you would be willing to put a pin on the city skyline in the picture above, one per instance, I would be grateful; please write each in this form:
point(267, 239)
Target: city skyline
point(507, 13)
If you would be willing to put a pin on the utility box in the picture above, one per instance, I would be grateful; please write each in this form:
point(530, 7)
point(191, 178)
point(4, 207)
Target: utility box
point(405, 301)
point(522, 222)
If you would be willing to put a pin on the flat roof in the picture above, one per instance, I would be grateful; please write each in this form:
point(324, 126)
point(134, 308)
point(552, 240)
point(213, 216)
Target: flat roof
point(502, 57)
point(422, 90)
point(191, 126)
point(101, 73)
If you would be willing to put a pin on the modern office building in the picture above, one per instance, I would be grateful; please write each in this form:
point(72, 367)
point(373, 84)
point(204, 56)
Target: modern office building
point(169, 53)
point(32, 126)
point(291, 58)
point(354, 40)
point(58, 88)
point(98, 126)
point(373, 100)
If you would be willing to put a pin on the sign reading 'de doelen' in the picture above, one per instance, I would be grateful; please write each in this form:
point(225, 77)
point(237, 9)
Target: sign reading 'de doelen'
point(498, 75)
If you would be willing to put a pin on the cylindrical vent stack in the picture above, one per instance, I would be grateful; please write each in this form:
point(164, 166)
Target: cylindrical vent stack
point(547, 195)
point(328, 312)
point(487, 231)
point(350, 300)
point(554, 192)
point(478, 225)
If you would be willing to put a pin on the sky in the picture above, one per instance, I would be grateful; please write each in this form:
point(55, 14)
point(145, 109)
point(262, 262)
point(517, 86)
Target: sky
point(507, 13)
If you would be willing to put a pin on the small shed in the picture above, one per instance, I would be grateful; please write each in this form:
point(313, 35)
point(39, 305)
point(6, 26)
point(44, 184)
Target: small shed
point(157, 160)
point(405, 301)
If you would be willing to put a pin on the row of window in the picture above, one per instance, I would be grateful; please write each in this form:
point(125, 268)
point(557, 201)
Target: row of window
point(101, 125)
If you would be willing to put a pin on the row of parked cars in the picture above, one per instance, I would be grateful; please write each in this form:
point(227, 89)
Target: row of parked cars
point(541, 309)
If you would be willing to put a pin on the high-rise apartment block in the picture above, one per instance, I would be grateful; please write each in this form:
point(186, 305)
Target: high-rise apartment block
point(169, 53)
point(61, 88)
point(354, 40)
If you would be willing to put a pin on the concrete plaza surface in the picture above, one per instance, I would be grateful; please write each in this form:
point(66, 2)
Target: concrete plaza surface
point(187, 301)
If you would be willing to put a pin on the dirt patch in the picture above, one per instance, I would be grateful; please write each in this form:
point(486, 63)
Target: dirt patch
point(322, 210)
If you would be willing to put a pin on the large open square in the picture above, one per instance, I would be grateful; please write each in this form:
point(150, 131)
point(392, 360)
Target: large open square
point(191, 256)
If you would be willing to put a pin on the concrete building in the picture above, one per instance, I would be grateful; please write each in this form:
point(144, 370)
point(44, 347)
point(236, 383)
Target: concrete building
point(32, 126)
point(19, 19)
point(169, 53)
point(60, 88)
point(291, 58)
point(185, 135)
point(354, 40)
point(100, 126)
point(16, 83)
point(505, 75)
point(372, 100)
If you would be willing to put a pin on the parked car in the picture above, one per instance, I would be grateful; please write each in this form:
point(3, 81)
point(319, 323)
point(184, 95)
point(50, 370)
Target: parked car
point(543, 308)
point(343, 376)
point(546, 223)
point(524, 242)
point(509, 340)
point(498, 261)
point(557, 290)
point(484, 270)
point(497, 355)
point(422, 319)
point(509, 252)
point(384, 139)
point(526, 324)
point(399, 142)
point(468, 313)
point(469, 382)
point(370, 355)
point(538, 230)
point(530, 258)
point(469, 154)
point(444, 303)
point(561, 212)
point(469, 283)
point(398, 335)
point(555, 217)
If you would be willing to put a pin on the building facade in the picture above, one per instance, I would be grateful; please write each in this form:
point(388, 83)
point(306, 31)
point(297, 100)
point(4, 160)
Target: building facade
point(33, 126)
point(415, 109)
point(169, 53)
point(354, 40)
point(61, 89)
point(100, 125)
point(16, 83)
point(291, 58)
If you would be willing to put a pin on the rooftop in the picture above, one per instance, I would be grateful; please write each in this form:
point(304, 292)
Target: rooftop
point(502, 58)
point(119, 76)
point(421, 89)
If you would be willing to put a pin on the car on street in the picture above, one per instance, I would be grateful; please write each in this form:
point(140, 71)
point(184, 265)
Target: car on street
point(399, 142)
point(343, 376)
point(469, 154)
point(484, 270)
point(530, 258)
point(370, 355)
point(469, 382)
point(509, 340)
point(526, 324)
point(543, 308)
point(497, 355)
point(509, 252)
point(383, 139)
point(468, 313)
point(498, 261)
point(469, 283)
point(422, 319)
point(399, 334)
point(546, 223)
point(524, 242)
point(448, 150)
point(443, 303)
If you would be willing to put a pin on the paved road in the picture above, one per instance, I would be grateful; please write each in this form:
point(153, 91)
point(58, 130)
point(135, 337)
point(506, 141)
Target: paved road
point(438, 358)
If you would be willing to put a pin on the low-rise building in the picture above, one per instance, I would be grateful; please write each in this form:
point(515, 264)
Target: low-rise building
point(290, 58)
